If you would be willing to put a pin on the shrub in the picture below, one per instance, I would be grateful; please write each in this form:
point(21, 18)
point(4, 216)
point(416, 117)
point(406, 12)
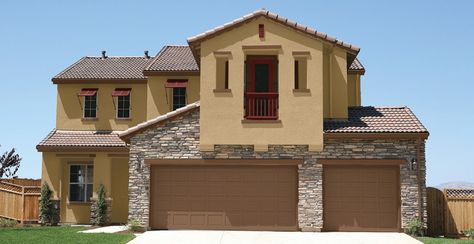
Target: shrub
point(7, 222)
point(101, 207)
point(469, 233)
point(415, 228)
point(134, 225)
point(48, 212)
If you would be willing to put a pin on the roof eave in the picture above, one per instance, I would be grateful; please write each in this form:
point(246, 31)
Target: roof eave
point(377, 135)
point(172, 73)
point(97, 80)
point(44, 148)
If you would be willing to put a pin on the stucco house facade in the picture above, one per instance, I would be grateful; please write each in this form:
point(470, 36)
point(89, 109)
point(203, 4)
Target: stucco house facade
point(256, 124)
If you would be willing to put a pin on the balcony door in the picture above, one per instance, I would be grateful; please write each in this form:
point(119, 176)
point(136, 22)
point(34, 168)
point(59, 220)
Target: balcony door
point(261, 92)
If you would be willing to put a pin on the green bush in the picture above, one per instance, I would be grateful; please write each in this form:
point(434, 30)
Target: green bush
point(469, 233)
point(49, 214)
point(134, 225)
point(101, 207)
point(415, 228)
point(7, 222)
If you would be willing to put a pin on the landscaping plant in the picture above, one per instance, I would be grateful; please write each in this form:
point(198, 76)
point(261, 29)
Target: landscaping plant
point(469, 233)
point(7, 222)
point(101, 207)
point(48, 212)
point(134, 225)
point(415, 228)
point(9, 164)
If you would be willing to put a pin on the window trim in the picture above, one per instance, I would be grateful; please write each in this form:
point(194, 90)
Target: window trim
point(129, 107)
point(96, 107)
point(86, 164)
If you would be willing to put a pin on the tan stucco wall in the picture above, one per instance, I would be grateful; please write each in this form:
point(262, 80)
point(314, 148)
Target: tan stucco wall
point(69, 107)
point(301, 114)
point(159, 99)
point(353, 89)
point(109, 170)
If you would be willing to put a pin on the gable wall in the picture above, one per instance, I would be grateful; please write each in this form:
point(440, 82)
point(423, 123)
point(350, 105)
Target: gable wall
point(301, 114)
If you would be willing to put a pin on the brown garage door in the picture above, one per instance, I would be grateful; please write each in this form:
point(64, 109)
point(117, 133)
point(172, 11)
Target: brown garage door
point(224, 197)
point(361, 198)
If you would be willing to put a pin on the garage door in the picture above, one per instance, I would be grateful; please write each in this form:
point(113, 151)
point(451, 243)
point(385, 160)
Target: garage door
point(224, 197)
point(361, 198)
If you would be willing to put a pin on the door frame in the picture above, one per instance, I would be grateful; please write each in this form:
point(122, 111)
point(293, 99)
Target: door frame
point(251, 61)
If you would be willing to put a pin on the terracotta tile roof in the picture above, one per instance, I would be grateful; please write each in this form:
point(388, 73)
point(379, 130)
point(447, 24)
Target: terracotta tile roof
point(377, 120)
point(105, 68)
point(173, 58)
point(143, 126)
point(357, 66)
point(77, 139)
point(279, 19)
point(180, 58)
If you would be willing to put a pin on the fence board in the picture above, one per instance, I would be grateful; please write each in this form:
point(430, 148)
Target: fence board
point(19, 199)
point(450, 212)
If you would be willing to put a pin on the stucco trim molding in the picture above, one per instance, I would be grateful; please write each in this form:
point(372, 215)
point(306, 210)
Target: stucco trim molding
point(371, 162)
point(224, 162)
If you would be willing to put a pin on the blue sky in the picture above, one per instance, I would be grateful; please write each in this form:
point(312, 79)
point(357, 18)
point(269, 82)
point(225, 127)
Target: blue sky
point(417, 53)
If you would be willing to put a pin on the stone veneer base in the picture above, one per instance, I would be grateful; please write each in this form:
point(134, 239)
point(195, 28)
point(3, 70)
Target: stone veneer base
point(179, 139)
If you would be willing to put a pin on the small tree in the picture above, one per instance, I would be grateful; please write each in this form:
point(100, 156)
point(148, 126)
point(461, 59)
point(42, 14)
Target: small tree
point(48, 212)
point(9, 164)
point(101, 207)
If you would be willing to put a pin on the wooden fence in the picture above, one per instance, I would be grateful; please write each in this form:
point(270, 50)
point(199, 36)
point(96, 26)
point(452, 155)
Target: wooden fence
point(19, 199)
point(450, 211)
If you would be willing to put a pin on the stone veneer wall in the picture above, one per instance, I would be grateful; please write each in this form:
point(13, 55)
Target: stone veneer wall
point(179, 139)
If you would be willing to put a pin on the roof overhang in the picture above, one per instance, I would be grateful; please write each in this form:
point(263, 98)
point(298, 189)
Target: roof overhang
point(41, 148)
point(98, 81)
point(376, 135)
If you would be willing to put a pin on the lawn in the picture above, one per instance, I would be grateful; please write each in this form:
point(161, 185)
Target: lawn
point(431, 240)
point(58, 235)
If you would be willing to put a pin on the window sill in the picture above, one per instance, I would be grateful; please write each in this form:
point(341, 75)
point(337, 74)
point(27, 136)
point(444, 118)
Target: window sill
point(79, 203)
point(261, 121)
point(301, 90)
point(222, 90)
point(123, 119)
point(90, 119)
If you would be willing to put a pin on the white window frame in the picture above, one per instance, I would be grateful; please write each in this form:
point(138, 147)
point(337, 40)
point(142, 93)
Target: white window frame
point(86, 180)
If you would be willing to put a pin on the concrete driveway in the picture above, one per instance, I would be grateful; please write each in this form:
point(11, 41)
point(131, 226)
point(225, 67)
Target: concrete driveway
point(260, 237)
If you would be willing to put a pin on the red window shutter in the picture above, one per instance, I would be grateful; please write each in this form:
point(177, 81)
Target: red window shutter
point(176, 83)
point(121, 92)
point(87, 92)
point(261, 31)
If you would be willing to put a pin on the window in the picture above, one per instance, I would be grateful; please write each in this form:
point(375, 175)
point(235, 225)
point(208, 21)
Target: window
point(80, 182)
point(90, 106)
point(123, 106)
point(301, 70)
point(179, 98)
point(226, 78)
point(296, 75)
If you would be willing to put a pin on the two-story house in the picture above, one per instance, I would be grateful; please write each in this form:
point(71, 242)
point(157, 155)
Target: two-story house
point(257, 124)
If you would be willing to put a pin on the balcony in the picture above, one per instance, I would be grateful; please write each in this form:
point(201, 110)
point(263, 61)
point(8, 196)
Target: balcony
point(261, 105)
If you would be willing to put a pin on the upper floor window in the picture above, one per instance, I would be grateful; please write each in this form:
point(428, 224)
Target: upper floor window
point(123, 102)
point(222, 70)
point(80, 182)
point(179, 97)
point(300, 70)
point(178, 90)
point(90, 102)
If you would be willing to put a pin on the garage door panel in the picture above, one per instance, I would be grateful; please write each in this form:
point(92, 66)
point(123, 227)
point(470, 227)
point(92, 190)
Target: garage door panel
point(224, 197)
point(359, 197)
